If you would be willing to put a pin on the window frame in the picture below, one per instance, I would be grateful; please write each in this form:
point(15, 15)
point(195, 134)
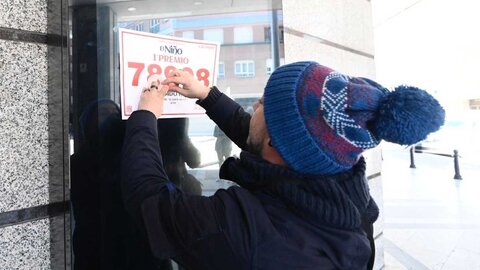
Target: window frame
point(139, 27)
point(267, 34)
point(244, 73)
point(155, 24)
point(221, 70)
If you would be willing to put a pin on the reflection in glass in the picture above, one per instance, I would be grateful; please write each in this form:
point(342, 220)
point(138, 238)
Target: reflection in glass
point(178, 150)
point(193, 148)
point(103, 236)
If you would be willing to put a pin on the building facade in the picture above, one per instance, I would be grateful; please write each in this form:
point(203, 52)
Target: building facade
point(245, 37)
point(58, 66)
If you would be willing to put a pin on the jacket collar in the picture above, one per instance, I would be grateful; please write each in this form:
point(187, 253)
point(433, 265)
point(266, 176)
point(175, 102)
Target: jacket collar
point(335, 200)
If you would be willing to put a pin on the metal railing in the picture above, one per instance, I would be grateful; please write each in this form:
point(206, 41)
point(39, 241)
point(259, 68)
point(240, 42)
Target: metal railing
point(434, 151)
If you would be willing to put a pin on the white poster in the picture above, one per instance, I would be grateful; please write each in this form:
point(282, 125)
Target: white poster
point(143, 55)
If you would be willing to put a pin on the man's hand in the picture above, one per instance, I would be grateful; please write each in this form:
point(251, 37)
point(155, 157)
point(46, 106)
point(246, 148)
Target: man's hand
point(152, 98)
point(186, 85)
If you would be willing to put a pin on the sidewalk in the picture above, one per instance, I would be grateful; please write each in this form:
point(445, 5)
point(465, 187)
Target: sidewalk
point(431, 220)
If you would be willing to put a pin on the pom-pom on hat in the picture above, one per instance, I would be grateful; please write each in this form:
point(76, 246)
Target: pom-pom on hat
point(320, 121)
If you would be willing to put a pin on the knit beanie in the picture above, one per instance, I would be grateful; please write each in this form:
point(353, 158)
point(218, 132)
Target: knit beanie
point(320, 121)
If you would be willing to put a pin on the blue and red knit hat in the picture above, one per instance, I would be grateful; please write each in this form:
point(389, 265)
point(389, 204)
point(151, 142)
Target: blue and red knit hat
point(320, 121)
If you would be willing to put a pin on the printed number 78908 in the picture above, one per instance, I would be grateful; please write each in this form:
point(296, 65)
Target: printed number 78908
point(155, 69)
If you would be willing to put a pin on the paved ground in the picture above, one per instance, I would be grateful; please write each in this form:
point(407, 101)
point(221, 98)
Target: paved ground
point(431, 220)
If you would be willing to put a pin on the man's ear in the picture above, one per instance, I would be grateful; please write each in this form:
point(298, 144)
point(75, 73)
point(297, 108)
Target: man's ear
point(271, 154)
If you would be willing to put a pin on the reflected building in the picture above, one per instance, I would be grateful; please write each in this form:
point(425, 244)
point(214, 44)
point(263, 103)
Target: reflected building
point(246, 45)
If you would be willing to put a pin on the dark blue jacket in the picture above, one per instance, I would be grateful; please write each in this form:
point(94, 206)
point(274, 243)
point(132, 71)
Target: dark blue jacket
point(275, 219)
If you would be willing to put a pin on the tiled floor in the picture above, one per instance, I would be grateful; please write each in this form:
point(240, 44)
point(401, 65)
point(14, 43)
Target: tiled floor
point(431, 220)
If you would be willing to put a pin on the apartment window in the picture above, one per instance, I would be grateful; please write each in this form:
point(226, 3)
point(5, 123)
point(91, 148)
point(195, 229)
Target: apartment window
point(244, 69)
point(268, 37)
point(221, 70)
point(243, 35)
point(188, 34)
point(213, 35)
point(155, 26)
point(139, 27)
point(269, 65)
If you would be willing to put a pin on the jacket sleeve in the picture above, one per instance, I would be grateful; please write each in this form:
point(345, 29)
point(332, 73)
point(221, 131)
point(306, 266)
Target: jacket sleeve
point(228, 115)
point(170, 219)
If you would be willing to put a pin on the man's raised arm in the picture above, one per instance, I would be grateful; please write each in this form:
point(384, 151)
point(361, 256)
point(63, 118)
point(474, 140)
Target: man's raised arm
point(225, 112)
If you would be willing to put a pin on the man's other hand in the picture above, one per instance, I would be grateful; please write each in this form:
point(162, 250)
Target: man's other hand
point(185, 84)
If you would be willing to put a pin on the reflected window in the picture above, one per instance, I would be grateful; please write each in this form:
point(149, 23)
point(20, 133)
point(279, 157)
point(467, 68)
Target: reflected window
point(139, 27)
point(245, 68)
point(268, 34)
point(269, 65)
point(155, 26)
point(188, 34)
point(243, 35)
point(213, 35)
point(221, 70)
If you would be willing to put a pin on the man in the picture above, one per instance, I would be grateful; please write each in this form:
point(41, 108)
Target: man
point(303, 192)
point(223, 145)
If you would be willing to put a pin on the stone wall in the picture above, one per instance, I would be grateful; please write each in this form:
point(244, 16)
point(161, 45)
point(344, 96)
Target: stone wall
point(32, 205)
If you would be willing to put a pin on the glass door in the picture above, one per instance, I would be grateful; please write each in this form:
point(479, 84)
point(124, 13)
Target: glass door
point(193, 148)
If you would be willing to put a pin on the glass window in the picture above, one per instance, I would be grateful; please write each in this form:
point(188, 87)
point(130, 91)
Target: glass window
point(243, 34)
point(269, 65)
point(188, 34)
point(245, 69)
point(267, 34)
point(213, 35)
point(155, 26)
point(100, 226)
point(221, 70)
point(139, 27)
